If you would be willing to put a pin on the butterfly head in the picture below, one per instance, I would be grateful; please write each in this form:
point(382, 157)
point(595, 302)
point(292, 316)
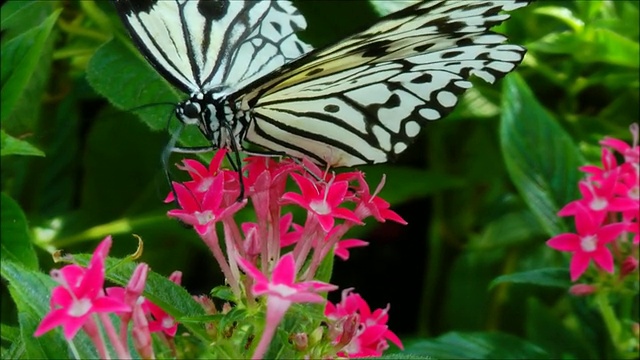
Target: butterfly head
point(202, 111)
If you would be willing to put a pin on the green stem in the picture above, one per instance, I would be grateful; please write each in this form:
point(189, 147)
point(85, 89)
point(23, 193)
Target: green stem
point(610, 320)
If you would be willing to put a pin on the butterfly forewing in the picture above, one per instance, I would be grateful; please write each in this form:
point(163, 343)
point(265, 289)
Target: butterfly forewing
point(365, 99)
point(206, 44)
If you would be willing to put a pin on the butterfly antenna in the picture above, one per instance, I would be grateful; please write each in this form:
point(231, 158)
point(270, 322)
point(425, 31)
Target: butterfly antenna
point(166, 152)
point(150, 105)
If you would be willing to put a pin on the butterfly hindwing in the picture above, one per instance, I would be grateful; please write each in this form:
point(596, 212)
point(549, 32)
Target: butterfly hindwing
point(365, 99)
point(205, 44)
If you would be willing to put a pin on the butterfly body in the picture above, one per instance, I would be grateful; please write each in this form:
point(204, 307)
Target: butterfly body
point(360, 101)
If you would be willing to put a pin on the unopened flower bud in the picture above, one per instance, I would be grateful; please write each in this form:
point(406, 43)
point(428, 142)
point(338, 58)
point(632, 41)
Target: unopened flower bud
point(316, 335)
point(629, 265)
point(300, 341)
point(582, 290)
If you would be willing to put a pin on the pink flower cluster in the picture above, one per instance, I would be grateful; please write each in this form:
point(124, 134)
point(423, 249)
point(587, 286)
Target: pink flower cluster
point(279, 257)
point(81, 302)
point(606, 218)
point(273, 250)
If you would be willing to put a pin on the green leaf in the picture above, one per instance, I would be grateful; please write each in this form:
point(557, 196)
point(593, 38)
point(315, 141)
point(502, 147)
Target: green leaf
point(557, 335)
point(119, 73)
point(30, 291)
point(404, 183)
point(541, 158)
point(20, 59)
point(554, 277)
point(223, 292)
point(511, 229)
point(16, 242)
point(457, 345)
point(12, 146)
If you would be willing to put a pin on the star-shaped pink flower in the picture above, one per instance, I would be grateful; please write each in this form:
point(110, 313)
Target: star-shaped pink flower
point(80, 295)
point(589, 243)
point(322, 201)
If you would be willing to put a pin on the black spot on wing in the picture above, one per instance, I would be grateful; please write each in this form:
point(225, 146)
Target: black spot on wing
point(315, 71)
point(213, 10)
point(376, 49)
point(423, 79)
point(277, 27)
point(451, 54)
point(332, 108)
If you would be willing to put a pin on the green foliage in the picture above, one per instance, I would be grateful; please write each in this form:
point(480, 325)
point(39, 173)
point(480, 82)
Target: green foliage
point(469, 277)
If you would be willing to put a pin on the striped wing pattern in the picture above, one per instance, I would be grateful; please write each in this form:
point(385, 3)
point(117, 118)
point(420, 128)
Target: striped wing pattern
point(366, 98)
point(203, 45)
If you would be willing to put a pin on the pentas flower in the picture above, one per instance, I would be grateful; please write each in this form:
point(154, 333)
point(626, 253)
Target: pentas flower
point(607, 213)
point(257, 244)
point(80, 295)
point(281, 291)
point(203, 214)
point(589, 243)
point(371, 204)
point(368, 332)
point(322, 201)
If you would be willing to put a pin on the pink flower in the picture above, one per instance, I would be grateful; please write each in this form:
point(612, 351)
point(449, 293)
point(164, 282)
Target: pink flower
point(342, 247)
point(322, 202)
point(600, 199)
point(281, 291)
point(202, 215)
point(201, 176)
point(371, 204)
point(589, 243)
point(80, 295)
point(372, 334)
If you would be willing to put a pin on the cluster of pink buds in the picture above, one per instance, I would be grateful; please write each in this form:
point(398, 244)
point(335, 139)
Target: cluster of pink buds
point(606, 217)
point(279, 257)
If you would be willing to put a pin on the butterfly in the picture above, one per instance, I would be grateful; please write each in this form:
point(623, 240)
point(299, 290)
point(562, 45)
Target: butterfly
point(360, 101)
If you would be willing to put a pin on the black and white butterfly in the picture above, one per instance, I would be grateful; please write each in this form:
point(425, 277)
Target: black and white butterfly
point(360, 101)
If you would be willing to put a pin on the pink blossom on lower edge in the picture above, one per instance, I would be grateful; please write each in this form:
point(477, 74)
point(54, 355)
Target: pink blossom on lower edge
point(80, 295)
point(369, 332)
point(281, 290)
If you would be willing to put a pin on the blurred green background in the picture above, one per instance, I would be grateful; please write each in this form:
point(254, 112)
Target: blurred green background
point(468, 220)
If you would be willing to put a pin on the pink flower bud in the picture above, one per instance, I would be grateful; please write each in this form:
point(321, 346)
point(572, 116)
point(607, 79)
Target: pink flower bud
point(300, 341)
point(629, 265)
point(582, 290)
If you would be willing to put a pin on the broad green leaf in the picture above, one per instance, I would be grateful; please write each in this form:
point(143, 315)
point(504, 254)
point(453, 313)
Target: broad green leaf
point(458, 345)
point(558, 336)
point(511, 229)
point(12, 146)
point(30, 291)
point(16, 242)
point(122, 76)
point(119, 73)
point(404, 183)
point(541, 158)
point(20, 58)
point(554, 277)
point(563, 14)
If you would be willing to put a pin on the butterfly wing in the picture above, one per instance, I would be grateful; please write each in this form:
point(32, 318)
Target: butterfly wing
point(199, 45)
point(365, 99)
